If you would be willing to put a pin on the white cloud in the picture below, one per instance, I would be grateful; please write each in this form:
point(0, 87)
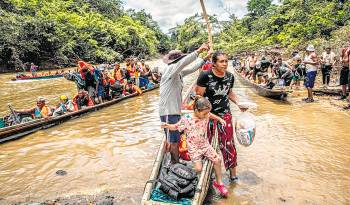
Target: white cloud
point(169, 13)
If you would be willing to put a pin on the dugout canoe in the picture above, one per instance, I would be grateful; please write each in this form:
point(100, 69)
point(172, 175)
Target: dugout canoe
point(203, 180)
point(37, 77)
point(327, 91)
point(17, 131)
point(265, 92)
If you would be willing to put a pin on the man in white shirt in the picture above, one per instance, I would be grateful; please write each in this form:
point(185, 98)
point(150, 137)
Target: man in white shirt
point(328, 61)
point(311, 62)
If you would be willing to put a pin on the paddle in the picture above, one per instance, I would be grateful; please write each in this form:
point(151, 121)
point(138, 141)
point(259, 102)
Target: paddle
point(205, 16)
point(15, 116)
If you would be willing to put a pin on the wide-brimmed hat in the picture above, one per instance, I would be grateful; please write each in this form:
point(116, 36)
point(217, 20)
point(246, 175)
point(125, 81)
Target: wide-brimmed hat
point(310, 48)
point(172, 56)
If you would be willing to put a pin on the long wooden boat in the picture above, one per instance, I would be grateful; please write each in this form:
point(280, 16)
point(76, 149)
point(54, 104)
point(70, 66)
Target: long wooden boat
point(37, 77)
point(327, 91)
point(265, 92)
point(20, 130)
point(203, 180)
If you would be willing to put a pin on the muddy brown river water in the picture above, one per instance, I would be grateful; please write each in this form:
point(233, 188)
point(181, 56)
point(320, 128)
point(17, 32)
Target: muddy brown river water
point(301, 154)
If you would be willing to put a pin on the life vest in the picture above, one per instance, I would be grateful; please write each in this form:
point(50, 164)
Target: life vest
point(118, 74)
point(137, 71)
point(90, 103)
point(44, 112)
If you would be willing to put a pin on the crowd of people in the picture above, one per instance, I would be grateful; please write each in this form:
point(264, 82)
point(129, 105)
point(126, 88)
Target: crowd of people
point(99, 84)
point(270, 69)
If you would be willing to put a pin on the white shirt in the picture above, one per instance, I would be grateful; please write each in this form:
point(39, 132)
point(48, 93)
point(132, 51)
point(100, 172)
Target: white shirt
point(328, 58)
point(309, 67)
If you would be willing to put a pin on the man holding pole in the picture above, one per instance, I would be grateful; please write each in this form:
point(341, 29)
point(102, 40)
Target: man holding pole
point(171, 86)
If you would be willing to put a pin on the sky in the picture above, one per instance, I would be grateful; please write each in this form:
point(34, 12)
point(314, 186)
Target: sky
point(169, 13)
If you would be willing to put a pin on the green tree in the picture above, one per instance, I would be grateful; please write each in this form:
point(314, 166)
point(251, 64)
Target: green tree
point(258, 7)
point(59, 32)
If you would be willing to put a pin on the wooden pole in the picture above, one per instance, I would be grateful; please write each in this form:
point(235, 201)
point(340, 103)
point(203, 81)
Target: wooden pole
point(205, 16)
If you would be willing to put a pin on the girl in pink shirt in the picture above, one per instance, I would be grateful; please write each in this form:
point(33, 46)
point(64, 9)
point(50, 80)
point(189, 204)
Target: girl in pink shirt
point(195, 127)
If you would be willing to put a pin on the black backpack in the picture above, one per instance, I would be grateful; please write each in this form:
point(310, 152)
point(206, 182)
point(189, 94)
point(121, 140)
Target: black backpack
point(178, 181)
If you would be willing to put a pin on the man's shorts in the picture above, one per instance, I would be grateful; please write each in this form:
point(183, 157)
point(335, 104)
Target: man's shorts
point(172, 136)
point(344, 76)
point(100, 91)
point(310, 79)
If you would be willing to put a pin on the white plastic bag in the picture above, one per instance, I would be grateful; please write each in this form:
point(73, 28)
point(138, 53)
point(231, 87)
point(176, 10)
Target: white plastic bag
point(245, 128)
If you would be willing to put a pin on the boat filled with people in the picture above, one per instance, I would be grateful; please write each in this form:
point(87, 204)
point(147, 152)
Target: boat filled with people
point(96, 89)
point(271, 78)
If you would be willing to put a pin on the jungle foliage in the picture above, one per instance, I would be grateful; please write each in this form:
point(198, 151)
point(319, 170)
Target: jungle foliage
point(292, 24)
point(60, 32)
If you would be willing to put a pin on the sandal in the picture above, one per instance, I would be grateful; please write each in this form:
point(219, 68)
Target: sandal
point(234, 179)
point(310, 100)
point(221, 188)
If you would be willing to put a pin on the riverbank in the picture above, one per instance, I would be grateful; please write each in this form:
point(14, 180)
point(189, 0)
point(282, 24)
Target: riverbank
point(105, 198)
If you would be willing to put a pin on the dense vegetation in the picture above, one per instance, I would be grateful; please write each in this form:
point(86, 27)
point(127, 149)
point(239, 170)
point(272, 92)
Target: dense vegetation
point(59, 32)
point(292, 25)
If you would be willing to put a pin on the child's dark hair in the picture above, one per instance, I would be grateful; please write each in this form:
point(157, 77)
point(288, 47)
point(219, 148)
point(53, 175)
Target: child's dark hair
point(217, 54)
point(201, 103)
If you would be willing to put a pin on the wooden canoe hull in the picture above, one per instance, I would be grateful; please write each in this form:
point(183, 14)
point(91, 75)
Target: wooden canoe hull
point(325, 91)
point(38, 77)
point(264, 92)
point(18, 131)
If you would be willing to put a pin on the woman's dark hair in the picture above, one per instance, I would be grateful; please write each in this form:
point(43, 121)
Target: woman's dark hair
point(217, 54)
point(201, 103)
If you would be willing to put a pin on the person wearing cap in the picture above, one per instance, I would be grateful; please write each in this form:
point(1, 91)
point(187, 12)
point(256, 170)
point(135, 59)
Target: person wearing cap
point(171, 86)
point(311, 62)
point(328, 61)
point(41, 110)
point(344, 72)
point(64, 106)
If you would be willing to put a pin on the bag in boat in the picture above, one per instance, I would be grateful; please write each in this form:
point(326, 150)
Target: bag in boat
point(183, 171)
point(245, 128)
point(177, 181)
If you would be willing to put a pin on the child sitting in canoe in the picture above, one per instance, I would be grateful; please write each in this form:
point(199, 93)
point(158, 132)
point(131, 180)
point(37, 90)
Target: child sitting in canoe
point(195, 127)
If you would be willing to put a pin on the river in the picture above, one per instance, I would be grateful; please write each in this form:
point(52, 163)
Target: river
point(301, 154)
